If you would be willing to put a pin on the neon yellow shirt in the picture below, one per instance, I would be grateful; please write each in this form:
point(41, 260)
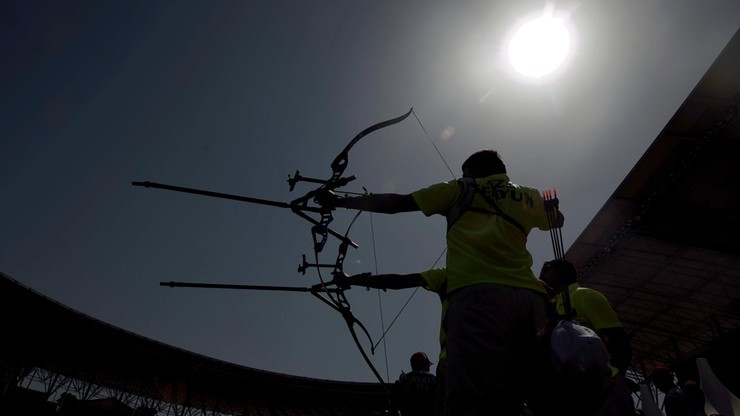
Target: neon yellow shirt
point(435, 282)
point(592, 309)
point(483, 247)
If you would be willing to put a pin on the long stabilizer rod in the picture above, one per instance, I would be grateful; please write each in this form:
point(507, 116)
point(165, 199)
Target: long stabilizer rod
point(246, 287)
point(213, 194)
point(298, 209)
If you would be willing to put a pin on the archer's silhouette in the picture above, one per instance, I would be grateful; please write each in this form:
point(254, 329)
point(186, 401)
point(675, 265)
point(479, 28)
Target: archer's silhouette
point(498, 310)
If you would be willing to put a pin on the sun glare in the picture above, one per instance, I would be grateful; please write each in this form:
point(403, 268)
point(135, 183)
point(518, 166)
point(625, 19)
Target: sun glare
point(540, 46)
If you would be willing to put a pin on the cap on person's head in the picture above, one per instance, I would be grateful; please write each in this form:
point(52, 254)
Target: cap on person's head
point(693, 391)
point(660, 372)
point(483, 163)
point(420, 361)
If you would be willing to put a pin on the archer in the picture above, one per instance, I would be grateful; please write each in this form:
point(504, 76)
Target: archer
point(497, 313)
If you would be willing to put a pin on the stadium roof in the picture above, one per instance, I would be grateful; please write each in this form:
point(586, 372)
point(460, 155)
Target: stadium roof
point(39, 332)
point(665, 248)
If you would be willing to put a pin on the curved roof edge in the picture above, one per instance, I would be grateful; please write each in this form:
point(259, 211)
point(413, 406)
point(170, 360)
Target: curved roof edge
point(41, 332)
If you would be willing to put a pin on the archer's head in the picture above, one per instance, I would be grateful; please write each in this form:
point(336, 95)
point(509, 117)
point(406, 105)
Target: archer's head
point(557, 274)
point(483, 163)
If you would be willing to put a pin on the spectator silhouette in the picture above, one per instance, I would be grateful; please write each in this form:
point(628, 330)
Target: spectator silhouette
point(695, 396)
point(675, 401)
point(413, 393)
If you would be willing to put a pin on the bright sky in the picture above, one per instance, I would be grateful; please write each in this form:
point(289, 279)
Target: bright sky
point(235, 96)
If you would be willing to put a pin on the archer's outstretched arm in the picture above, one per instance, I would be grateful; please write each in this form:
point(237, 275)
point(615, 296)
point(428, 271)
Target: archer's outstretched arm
point(381, 203)
point(387, 281)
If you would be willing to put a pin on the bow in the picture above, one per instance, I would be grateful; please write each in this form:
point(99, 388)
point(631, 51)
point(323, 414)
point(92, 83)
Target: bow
point(306, 207)
point(320, 231)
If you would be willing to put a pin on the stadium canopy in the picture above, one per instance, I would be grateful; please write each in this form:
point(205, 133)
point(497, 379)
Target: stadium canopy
point(665, 247)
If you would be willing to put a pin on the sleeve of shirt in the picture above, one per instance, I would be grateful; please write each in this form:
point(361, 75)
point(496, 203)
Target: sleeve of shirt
point(438, 198)
point(435, 278)
point(595, 308)
point(531, 212)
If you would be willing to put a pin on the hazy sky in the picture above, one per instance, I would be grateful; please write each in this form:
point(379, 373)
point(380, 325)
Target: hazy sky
point(235, 96)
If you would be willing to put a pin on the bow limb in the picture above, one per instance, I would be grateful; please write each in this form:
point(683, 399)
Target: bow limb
point(351, 321)
point(340, 162)
point(338, 166)
point(341, 305)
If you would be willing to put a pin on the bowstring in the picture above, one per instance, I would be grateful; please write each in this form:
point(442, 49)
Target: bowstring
point(380, 302)
point(432, 142)
point(382, 337)
point(385, 330)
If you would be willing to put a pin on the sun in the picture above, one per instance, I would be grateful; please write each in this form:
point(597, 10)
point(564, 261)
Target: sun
point(540, 46)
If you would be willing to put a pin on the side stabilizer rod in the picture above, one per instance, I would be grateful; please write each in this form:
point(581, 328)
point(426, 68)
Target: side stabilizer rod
point(247, 287)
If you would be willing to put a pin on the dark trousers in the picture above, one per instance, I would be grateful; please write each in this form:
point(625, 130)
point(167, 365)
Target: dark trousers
point(497, 355)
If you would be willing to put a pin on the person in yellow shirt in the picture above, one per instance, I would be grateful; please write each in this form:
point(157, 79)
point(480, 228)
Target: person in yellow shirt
point(497, 316)
point(592, 309)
